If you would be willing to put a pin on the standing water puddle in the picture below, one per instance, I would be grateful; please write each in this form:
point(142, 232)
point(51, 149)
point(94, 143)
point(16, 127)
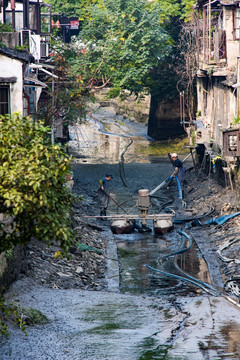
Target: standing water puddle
point(137, 250)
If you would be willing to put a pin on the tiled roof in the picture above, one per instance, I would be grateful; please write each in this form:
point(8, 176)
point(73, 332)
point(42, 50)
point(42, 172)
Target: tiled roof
point(17, 54)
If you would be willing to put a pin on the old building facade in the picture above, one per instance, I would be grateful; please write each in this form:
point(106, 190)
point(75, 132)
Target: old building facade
point(218, 84)
point(23, 52)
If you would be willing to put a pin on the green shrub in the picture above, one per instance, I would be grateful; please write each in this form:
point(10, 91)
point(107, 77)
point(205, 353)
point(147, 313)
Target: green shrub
point(19, 315)
point(33, 193)
point(8, 313)
point(5, 28)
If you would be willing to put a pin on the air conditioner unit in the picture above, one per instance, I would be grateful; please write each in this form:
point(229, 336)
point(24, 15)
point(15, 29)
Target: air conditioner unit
point(35, 49)
point(30, 41)
point(44, 49)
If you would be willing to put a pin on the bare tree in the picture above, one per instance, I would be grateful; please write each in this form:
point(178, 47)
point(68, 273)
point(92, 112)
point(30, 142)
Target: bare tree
point(189, 44)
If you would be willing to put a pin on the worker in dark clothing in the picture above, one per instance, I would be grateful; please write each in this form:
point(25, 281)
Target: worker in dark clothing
point(103, 193)
point(179, 169)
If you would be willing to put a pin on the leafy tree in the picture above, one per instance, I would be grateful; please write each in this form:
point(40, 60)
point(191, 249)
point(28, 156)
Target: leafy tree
point(174, 76)
point(81, 9)
point(133, 45)
point(130, 44)
point(33, 193)
point(172, 9)
point(124, 41)
point(66, 101)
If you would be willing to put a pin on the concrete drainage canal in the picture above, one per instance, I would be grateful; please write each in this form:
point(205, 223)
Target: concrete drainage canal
point(178, 267)
point(164, 297)
point(173, 278)
point(172, 263)
point(154, 262)
point(175, 267)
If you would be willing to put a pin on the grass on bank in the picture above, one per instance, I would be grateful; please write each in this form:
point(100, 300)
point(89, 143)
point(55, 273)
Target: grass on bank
point(21, 316)
point(162, 148)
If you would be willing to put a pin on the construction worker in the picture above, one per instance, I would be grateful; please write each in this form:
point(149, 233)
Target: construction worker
point(179, 169)
point(103, 193)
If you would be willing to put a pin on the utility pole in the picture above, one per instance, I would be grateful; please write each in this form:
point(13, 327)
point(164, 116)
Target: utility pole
point(209, 31)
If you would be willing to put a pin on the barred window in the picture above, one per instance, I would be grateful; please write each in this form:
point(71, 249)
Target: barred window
point(4, 100)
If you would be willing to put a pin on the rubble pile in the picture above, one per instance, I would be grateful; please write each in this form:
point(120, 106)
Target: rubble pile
point(85, 269)
point(226, 239)
point(219, 242)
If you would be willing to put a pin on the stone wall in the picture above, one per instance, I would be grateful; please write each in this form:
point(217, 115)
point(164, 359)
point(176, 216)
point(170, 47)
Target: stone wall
point(11, 265)
point(9, 39)
point(164, 120)
point(132, 108)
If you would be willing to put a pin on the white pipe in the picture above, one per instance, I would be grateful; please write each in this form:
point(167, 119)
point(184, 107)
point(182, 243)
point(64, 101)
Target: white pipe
point(40, 67)
point(188, 155)
point(157, 188)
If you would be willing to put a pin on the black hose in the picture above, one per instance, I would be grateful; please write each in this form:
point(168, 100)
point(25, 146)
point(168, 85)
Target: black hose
point(204, 286)
point(196, 283)
point(182, 250)
point(181, 220)
point(121, 165)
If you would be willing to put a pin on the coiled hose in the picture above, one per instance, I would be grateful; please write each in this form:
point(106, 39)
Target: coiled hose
point(204, 286)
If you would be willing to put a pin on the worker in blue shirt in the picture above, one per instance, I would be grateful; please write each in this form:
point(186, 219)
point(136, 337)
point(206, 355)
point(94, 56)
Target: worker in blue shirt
point(179, 169)
point(103, 193)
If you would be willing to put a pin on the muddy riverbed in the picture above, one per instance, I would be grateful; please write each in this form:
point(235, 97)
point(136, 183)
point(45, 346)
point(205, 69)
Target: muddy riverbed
point(105, 303)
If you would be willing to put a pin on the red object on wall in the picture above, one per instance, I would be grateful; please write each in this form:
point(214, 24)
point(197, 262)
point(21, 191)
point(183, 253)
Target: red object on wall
point(74, 24)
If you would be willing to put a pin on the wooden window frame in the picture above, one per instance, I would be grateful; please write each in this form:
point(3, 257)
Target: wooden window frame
point(235, 24)
point(5, 103)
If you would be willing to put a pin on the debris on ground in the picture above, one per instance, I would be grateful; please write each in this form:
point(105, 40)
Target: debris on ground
point(85, 269)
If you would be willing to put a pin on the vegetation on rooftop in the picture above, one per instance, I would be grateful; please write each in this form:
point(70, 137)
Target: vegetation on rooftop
point(5, 28)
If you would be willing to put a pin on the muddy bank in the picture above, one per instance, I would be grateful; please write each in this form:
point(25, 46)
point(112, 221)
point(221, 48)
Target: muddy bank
point(101, 325)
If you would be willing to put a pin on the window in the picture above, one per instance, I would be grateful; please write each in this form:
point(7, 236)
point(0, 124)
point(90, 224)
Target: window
point(46, 19)
point(237, 24)
point(232, 142)
point(4, 100)
point(18, 15)
point(33, 17)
